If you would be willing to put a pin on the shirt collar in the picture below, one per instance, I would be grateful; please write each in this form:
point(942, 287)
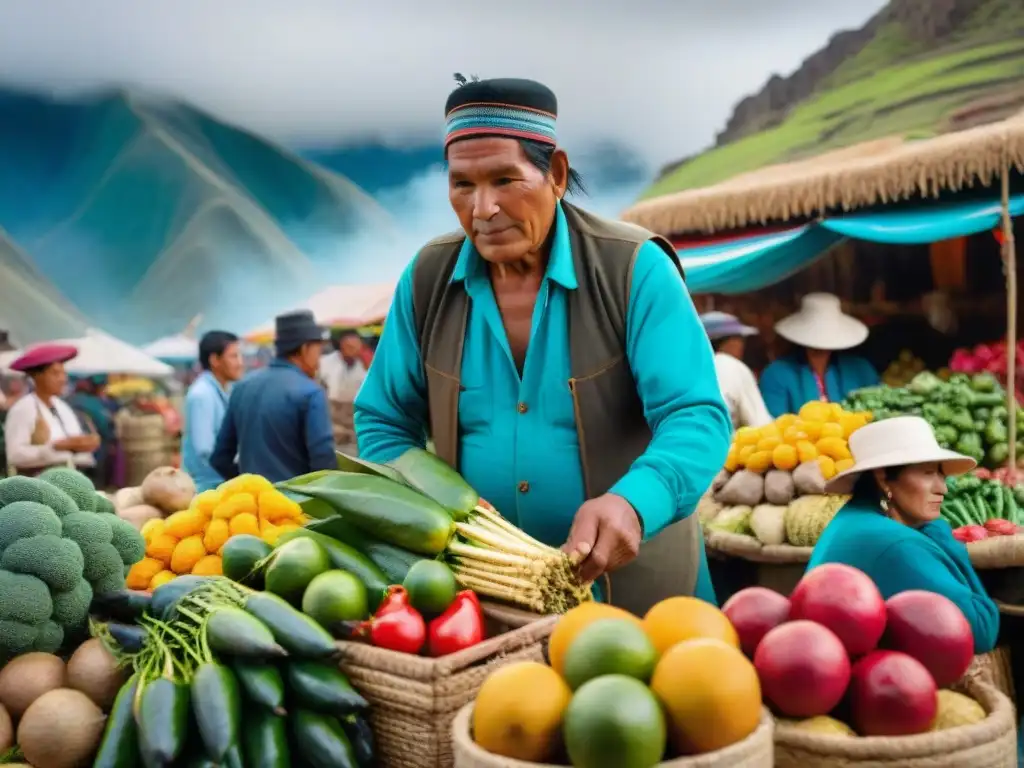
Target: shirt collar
point(560, 264)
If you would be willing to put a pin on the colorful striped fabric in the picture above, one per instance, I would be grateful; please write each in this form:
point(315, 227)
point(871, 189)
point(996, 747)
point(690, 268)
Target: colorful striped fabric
point(500, 120)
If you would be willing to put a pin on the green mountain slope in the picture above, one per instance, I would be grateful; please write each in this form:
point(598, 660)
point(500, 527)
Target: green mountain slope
point(901, 82)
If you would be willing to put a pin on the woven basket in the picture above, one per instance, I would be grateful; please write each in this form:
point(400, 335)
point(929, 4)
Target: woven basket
point(994, 668)
point(413, 700)
point(991, 743)
point(997, 552)
point(755, 751)
point(749, 548)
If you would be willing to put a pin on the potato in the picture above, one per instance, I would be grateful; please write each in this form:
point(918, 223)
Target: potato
point(808, 480)
point(743, 489)
point(778, 487)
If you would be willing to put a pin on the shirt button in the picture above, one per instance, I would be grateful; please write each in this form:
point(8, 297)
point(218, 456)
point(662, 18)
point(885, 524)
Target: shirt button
point(523, 407)
point(524, 486)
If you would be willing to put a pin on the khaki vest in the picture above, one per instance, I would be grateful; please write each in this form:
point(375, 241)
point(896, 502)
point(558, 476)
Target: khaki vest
point(610, 419)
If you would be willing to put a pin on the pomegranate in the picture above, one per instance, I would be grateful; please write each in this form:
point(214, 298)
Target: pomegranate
point(753, 612)
point(803, 668)
point(933, 630)
point(892, 694)
point(846, 601)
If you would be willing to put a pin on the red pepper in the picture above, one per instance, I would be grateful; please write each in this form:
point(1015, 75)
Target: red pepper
point(461, 626)
point(1001, 527)
point(395, 597)
point(401, 629)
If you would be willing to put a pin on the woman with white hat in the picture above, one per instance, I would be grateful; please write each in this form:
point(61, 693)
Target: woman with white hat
point(739, 386)
point(820, 368)
point(892, 530)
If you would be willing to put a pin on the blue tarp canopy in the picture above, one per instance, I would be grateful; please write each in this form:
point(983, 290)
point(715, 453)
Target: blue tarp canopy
point(747, 264)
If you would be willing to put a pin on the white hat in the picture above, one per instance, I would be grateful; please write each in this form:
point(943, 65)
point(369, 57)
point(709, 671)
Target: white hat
point(821, 324)
point(720, 325)
point(897, 442)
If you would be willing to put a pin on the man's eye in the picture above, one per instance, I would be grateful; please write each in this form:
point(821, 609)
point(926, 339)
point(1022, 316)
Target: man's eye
point(503, 181)
point(462, 185)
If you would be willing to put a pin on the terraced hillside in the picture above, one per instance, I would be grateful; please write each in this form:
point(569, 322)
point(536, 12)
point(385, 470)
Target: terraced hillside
point(919, 68)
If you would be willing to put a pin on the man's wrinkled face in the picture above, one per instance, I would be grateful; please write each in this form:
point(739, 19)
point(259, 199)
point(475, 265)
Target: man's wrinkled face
point(505, 204)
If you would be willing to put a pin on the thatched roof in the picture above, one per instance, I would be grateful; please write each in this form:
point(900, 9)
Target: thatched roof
point(881, 171)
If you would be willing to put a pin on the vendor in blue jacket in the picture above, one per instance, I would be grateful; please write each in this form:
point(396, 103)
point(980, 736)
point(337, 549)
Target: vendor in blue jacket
point(891, 529)
point(820, 367)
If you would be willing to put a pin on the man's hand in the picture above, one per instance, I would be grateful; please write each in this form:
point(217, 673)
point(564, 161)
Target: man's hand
point(605, 535)
point(89, 443)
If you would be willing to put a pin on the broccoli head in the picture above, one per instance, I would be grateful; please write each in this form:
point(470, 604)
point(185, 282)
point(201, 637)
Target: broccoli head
point(49, 558)
point(109, 582)
point(21, 488)
point(24, 598)
point(87, 529)
point(127, 541)
point(101, 560)
point(26, 518)
point(49, 637)
point(16, 638)
point(104, 505)
point(74, 484)
point(71, 608)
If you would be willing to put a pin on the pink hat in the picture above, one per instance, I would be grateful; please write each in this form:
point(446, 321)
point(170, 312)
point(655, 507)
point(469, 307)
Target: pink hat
point(43, 355)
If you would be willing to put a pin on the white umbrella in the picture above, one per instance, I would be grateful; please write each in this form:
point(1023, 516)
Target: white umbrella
point(345, 305)
point(174, 349)
point(100, 353)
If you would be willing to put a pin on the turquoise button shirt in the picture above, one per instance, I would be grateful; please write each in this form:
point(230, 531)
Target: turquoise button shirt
point(788, 383)
point(518, 442)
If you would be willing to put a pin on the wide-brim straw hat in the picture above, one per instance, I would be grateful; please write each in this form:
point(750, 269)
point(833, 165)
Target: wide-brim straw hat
point(821, 324)
point(721, 325)
point(899, 442)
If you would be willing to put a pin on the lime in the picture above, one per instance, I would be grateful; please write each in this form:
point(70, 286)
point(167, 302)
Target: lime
point(240, 555)
point(294, 564)
point(335, 596)
point(431, 586)
point(614, 722)
point(609, 647)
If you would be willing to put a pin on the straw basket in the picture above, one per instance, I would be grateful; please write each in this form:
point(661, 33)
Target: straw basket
point(994, 668)
point(1000, 564)
point(755, 751)
point(413, 700)
point(991, 743)
point(778, 566)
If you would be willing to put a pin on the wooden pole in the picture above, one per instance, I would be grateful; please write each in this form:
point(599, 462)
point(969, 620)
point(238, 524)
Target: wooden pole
point(1010, 268)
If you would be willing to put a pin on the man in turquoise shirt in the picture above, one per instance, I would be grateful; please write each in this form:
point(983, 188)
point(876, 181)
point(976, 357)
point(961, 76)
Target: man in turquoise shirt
point(518, 442)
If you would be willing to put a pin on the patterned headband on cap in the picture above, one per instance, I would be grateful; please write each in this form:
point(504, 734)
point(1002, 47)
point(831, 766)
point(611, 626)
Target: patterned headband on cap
point(518, 109)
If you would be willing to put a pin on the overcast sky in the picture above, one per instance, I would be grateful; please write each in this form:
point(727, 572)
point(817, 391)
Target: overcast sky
point(661, 75)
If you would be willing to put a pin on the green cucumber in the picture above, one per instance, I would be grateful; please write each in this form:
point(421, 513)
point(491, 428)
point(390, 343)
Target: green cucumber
point(345, 557)
point(386, 510)
point(360, 736)
point(126, 605)
point(235, 632)
point(298, 634)
point(265, 740)
point(433, 478)
point(162, 721)
point(165, 597)
point(233, 759)
point(395, 562)
point(120, 745)
point(323, 688)
point(262, 684)
point(359, 466)
point(321, 740)
point(217, 707)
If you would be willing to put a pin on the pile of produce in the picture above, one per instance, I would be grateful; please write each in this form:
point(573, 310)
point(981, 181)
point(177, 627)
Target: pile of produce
point(839, 659)
point(165, 490)
point(984, 504)
point(967, 413)
point(419, 508)
point(52, 714)
point(901, 370)
point(622, 691)
point(990, 358)
point(206, 655)
point(60, 544)
point(774, 479)
point(191, 540)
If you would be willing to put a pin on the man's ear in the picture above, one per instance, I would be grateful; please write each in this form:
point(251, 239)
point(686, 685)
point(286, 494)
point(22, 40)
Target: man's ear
point(559, 172)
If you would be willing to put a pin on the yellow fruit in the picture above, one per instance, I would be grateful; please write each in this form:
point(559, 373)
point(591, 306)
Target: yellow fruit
point(844, 464)
point(575, 621)
point(518, 712)
point(825, 725)
point(815, 411)
point(217, 532)
point(805, 451)
point(251, 484)
point(246, 522)
point(188, 552)
point(768, 443)
point(142, 572)
point(269, 532)
point(769, 430)
point(161, 547)
point(760, 461)
point(711, 695)
point(813, 429)
point(151, 528)
point(162, 578)
point(785, 457)
point(745, 453)
point(210, 565)
point(746, 436)
point(181, 525)
point(955, 710)
point(785, 421)
point(207, 501)
point(227, 509)
point(833, 447)
point(276, 507)
point(794, 435)
point(828, 467)
point(835, 412)
point(851, 422)
point(687, 618)
point(831, 430)
point(732, 458)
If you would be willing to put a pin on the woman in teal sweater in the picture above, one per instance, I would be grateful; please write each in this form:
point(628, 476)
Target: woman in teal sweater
point(891, 528)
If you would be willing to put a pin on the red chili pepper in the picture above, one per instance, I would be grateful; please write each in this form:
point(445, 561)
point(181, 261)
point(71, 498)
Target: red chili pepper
point(395, 597)
point(461, 626)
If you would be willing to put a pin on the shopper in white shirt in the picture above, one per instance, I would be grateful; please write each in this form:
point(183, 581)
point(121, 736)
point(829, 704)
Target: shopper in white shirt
point(41, 430)
point(737, 382)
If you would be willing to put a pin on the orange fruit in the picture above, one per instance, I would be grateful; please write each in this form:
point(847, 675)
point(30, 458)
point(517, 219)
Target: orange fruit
point(575, 621)
point(785, 457)
point(828, 467)
point(711, 695)
point(831, 430)
point(678, 619)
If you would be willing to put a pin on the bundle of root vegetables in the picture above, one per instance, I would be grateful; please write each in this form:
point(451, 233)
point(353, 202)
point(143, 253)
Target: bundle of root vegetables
point(418, 507)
